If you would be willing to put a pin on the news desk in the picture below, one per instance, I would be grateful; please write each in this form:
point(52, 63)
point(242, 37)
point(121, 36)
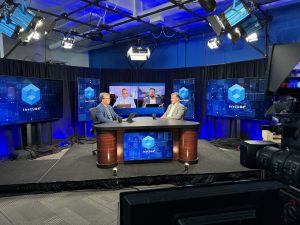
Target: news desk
point(110, 139)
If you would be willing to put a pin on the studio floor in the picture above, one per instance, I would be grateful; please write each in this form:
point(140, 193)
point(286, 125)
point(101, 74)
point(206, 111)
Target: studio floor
point(79, 164)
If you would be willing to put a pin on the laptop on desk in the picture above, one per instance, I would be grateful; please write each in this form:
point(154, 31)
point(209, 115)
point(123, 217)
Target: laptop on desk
point(152, 105)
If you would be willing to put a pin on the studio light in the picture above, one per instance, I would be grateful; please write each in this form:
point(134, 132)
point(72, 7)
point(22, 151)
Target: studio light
point(186, 166)
point(217, 24)
point(213, 43)
point(237, 13)
point(68, 42)
point(26, 19)
point(234, 34)
point(208, 5)
point(9, 29)
point(139, 53)
point(252, 37)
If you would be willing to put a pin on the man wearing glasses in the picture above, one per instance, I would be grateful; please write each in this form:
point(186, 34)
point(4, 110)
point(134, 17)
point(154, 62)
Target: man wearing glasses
point(105, 113)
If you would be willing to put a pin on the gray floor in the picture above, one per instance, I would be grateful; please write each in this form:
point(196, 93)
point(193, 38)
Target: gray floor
point(79, 164)
point(90, 206)
point(65, 208)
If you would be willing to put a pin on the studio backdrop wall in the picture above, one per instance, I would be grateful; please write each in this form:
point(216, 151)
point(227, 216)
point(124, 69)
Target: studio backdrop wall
point(68, 125)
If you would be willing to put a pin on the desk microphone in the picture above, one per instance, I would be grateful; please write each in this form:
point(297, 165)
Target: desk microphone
point(154, 116)
point(120, 119)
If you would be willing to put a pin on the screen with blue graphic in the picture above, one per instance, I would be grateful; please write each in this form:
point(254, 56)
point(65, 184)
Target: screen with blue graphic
point(186, 90)
point(148, 145)
point(25, 100)
point(141, 98)
point(240, 98)
point(87, 97)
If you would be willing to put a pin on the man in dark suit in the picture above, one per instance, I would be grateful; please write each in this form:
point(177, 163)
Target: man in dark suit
point(105, 113)
point(175, 110)
point(152, 98)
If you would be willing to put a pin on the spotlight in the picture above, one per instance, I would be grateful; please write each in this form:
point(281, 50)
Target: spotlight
point(213, 43)
point(115, 171)
point(25, 18)
point(186, 166)
point(9, 29)
point(217, 23)
point(252, 37)
point(68, 42)
point(234, 34)
point(208, 5)
point(138, 53)
point(237, 12)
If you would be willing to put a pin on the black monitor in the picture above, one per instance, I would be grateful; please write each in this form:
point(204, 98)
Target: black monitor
point(243, 203)
point(282, 76)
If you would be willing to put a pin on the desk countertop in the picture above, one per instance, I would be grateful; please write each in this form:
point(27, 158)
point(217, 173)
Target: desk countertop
point(146, 123)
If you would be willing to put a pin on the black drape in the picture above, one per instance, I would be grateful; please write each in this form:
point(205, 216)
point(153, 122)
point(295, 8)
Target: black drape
point(67, 125)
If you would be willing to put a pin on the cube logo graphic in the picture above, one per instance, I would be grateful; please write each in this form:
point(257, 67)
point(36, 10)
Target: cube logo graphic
point(236, 93)
point(89, 92)
point(31, 94)
point(183, 92)
point(298, 84)
point(148, 142)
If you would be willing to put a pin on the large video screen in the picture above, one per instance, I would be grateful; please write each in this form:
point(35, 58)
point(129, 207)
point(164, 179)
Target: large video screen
point(87, 97)
point(142, 98)
point(186, 90)
point(240, 98)
point(148, 145)
point(25, 100)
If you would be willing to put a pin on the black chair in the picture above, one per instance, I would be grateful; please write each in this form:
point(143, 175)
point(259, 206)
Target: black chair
point(93, 112)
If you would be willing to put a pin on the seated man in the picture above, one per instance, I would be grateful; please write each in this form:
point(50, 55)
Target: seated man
point(124, 99)
point(175, 110)
point(152, 98)
point(105, 113)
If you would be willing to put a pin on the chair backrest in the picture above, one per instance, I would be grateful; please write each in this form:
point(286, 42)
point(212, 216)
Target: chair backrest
point(185, 109)
point(93, 112)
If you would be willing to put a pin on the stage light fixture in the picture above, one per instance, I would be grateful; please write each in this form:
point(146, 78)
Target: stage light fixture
point(208, 5)
point(68, 42)
point(234, 34)
point(252, 37)
point(217, 23)
point(25, 18)
point(213, 43)
point(237, 13)
point(139, 53)
point(9, 29)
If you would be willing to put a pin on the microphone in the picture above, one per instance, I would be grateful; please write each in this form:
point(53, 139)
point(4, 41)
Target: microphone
point(120, 119)
point(154, 116)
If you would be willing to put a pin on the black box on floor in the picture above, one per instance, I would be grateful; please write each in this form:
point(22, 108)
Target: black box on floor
point(248, 150)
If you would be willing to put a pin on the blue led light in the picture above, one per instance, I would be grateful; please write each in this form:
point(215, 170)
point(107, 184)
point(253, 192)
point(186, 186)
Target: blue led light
point(9, 29)
point(236, 13)
point(22, 17)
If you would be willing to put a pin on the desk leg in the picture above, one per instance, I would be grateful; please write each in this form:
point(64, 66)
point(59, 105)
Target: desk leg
point(107, 149)
point(188, 151)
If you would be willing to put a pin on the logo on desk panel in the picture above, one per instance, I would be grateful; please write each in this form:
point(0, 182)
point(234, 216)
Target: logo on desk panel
point(148, 142)
point(89, 93)
point(31, 94)
point(183, 92)
point(236, 93)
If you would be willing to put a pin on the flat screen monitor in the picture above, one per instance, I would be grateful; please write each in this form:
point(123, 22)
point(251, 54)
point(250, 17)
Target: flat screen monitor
point(26, 100)
point(142, 145)
point(88, 90)
point(234, 203)
point(138, 96)
point(186, 90)
point(238, 98)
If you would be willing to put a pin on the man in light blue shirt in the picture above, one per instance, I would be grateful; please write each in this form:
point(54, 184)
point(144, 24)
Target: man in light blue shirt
point(125, 99)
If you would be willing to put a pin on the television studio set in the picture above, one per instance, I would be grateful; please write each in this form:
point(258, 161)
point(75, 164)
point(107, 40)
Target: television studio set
point(139, 112)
